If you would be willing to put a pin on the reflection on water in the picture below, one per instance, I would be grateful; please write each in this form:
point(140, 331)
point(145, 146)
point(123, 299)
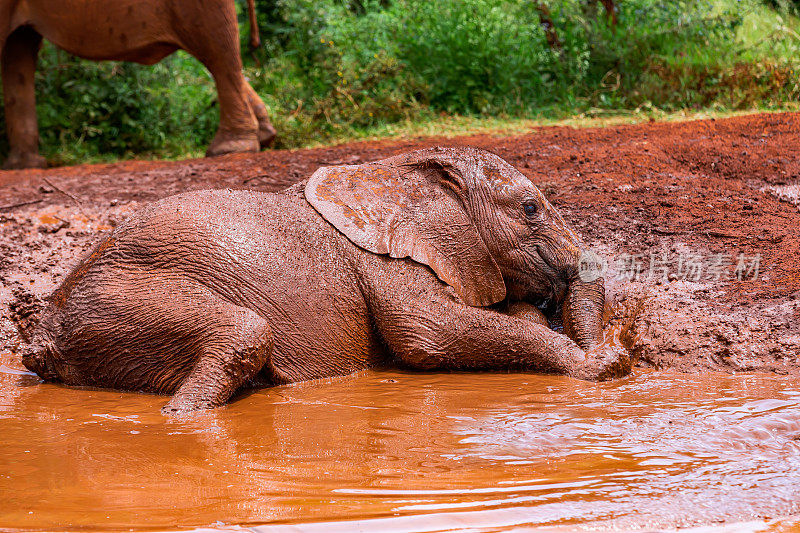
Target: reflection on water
point(416, 451)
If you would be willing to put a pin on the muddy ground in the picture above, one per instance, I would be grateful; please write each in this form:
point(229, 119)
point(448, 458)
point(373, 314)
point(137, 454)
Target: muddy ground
point(699, 221)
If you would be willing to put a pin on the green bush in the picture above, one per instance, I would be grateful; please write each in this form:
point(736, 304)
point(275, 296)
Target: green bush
point(90, 110)
point(478, 57)
point(335, 73)
point(332, 69)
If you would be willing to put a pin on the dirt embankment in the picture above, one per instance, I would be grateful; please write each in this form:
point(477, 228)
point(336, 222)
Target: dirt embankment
point(699, 220)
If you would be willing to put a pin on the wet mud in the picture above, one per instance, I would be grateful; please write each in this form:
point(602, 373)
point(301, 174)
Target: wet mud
point(697, 223)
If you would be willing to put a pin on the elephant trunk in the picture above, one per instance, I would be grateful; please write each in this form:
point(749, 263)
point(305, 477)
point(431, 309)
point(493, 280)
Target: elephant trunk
point(582, 312)
point(583, 305)
point(583, 302)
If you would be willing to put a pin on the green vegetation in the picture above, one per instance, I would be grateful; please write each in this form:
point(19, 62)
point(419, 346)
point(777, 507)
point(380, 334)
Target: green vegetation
point(342, 69)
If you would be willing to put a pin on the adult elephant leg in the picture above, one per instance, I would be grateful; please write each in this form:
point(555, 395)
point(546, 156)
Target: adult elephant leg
point(266, 131)
point(238, 128)
point(18, 64)
point(237, 346)
point(213, 38)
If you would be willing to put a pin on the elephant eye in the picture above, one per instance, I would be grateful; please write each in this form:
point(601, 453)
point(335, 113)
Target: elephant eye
point(530, 210)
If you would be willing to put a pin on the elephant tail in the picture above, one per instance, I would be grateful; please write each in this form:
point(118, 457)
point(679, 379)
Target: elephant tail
point(39, 356)
point(255, 38)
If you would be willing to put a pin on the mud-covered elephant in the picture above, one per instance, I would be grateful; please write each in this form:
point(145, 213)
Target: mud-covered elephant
point(434, 260)
point(144, 31)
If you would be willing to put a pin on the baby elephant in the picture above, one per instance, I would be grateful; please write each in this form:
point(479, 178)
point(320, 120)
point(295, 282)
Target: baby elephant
point(435, 260)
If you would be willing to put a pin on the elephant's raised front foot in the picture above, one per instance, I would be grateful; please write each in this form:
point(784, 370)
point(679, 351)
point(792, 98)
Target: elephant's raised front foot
point(24, 160)
point(604, 362)
point(232, 144)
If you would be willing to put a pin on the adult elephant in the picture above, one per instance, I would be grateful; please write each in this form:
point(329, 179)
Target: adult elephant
point(143, 31)
point(435, 260)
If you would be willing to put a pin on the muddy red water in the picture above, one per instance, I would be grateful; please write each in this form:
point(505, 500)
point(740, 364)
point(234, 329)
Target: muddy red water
point(706, 431)
point(655, 449)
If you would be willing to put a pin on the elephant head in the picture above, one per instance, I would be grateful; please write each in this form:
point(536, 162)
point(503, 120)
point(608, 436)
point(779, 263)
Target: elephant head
point(475, 220)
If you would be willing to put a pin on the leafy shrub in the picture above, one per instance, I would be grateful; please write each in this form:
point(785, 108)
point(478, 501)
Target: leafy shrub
point(336, 73)
point(480, 56)
point(90, 109)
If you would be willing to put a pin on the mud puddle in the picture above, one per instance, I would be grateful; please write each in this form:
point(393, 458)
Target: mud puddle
point(411, 451)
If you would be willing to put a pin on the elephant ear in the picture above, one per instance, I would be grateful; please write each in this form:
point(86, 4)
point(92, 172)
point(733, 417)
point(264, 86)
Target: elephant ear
point(410, 207)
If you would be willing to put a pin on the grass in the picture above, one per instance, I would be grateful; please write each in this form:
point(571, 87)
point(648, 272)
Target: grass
point(449, 126)
point(458, 126)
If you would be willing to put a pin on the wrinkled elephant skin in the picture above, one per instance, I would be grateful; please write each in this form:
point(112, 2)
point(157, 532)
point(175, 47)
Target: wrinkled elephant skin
point(432, 260)
point(144, 31)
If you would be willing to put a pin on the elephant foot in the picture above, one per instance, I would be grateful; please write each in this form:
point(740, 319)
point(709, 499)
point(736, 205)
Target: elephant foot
point(26, 160)
point(266, 135)
point(605, 362)
point(231, 145)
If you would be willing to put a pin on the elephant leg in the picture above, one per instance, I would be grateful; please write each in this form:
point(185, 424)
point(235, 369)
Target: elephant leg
point(526, 311)
point(239, 345)
point(238, 128)
point(214, 41)
point(433, 331)
point(266, 131)
point(18, 64)
point(133, 330)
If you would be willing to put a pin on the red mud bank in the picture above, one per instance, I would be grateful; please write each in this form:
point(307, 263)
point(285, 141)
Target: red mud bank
point(699, 222)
